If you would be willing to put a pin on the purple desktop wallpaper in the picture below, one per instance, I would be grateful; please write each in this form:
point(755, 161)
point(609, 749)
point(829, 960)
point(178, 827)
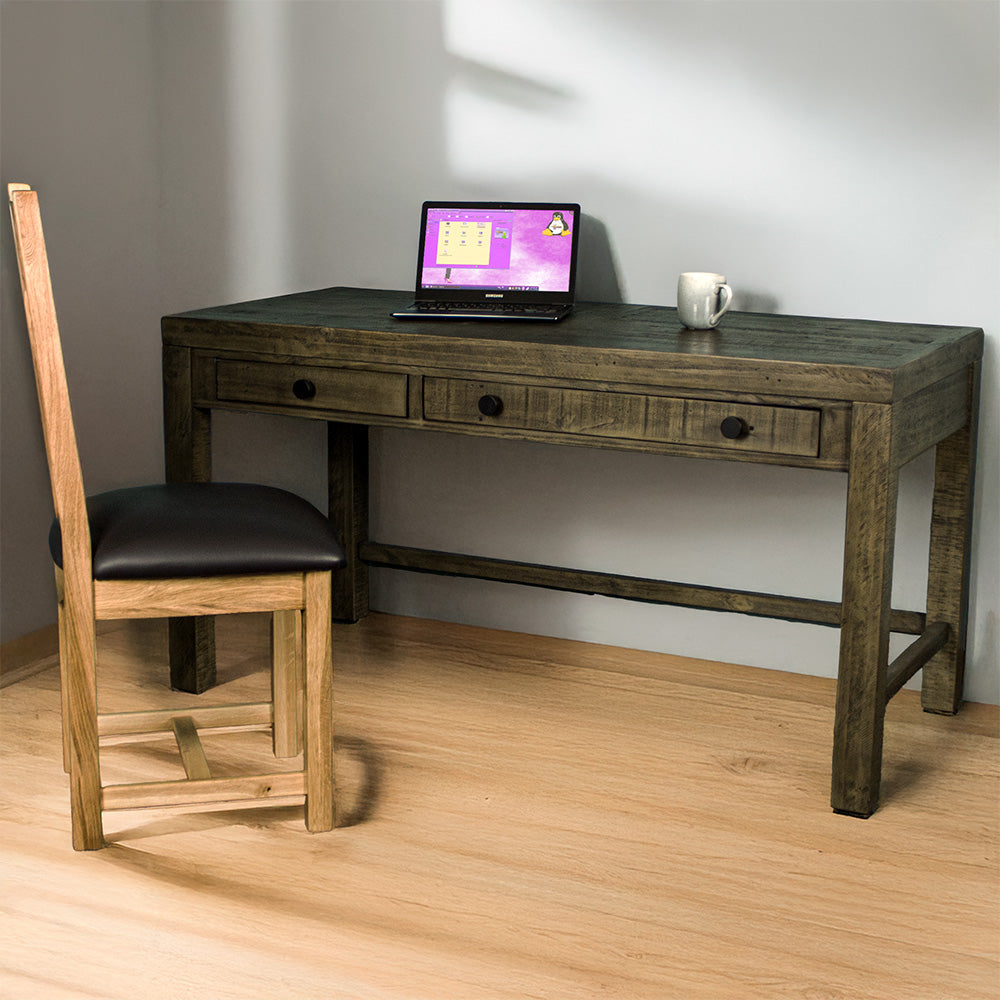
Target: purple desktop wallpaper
point(524, 249)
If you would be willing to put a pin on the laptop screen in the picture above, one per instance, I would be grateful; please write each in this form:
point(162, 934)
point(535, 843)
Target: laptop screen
point(511, 248)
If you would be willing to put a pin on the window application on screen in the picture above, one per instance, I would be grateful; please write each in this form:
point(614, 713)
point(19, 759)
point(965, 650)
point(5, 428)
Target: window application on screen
point(498, 249)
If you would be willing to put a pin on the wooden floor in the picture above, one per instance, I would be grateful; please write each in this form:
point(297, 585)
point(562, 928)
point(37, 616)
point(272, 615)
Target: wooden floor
point(521, 818)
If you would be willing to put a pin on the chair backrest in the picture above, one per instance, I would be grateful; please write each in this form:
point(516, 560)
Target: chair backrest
point(50, 379)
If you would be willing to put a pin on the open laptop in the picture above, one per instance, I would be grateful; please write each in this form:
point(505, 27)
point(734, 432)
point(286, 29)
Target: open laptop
point(495, 260)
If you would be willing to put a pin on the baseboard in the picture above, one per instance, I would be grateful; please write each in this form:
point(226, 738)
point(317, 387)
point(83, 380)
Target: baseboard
point(28, 655)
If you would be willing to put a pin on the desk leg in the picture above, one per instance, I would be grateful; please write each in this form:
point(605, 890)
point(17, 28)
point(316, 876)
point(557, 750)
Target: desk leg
point(187, 434)
point(347, 459)
point(864, 636)
point(191, 642)
point(950, 557)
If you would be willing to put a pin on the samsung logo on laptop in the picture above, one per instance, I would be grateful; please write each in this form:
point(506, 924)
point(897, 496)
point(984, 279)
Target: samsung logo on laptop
point(492, 295)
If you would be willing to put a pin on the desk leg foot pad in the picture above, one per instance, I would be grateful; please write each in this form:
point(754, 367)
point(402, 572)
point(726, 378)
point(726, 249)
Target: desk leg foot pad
point(856, 815)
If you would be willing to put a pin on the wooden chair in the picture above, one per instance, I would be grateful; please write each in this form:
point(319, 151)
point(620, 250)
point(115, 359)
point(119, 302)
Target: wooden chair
point(179, 549)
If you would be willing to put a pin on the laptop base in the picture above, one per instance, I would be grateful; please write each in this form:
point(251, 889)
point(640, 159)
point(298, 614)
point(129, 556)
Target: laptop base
point(543, 314)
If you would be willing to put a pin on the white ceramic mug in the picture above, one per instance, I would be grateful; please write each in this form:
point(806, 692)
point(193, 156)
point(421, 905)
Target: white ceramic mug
point(702, 298)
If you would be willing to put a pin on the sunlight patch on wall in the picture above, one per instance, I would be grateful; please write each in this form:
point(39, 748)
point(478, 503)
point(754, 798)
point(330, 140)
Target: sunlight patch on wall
point(768, 139)
point(538, 93)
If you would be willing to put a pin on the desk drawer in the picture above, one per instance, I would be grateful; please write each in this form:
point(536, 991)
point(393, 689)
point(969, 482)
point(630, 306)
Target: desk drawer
point(777, 430)
point(312, 387)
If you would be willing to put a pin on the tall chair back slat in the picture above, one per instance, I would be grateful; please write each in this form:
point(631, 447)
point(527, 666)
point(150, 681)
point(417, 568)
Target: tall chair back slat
point(65, 472)
point(77, 630)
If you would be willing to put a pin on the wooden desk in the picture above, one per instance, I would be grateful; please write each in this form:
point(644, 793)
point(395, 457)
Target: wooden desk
point(847, 396)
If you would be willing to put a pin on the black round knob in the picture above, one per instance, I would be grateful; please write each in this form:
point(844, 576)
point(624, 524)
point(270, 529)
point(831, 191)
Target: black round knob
point(734, 427)
point(490, 405)
point(303, 388)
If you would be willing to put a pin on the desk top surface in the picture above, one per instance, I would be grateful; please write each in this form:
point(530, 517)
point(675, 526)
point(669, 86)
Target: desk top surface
point(834, 358)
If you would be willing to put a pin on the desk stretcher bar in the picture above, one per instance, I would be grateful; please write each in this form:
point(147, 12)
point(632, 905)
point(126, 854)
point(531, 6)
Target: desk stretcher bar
point(743, 602)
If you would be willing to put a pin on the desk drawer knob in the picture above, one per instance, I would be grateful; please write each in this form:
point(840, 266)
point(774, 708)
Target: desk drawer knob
point(302, 388)
point(490, 405)
point(734, 428)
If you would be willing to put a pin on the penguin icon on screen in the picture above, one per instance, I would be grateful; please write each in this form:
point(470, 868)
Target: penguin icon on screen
point(557, 227)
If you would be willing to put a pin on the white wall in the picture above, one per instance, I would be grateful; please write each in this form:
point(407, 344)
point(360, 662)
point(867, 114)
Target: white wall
point(832, 158)
point(76, 90)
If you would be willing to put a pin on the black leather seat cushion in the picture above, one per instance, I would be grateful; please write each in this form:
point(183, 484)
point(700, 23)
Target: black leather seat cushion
point(204, 529)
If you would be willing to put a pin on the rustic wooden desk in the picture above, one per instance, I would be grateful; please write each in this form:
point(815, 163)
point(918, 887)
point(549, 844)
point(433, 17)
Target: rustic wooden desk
point(847, 396)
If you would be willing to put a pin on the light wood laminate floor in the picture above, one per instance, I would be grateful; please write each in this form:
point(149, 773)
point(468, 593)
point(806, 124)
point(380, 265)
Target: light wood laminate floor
point(521, 818)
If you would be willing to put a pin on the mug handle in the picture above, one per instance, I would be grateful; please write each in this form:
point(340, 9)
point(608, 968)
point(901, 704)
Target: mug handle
point(725, 294)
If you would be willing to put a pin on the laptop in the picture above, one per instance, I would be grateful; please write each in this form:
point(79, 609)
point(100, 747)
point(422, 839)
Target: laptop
point(495, 260)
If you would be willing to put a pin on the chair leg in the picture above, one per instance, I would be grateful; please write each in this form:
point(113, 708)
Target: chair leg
point(285, 682)
point(318, 736)
point(64, 686)
point(79, 656)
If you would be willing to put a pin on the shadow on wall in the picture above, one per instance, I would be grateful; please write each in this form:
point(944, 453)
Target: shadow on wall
point(753, 300)
point(597, 278)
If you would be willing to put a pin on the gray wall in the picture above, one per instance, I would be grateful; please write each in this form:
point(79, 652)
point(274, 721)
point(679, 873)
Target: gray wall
point(832, 158)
